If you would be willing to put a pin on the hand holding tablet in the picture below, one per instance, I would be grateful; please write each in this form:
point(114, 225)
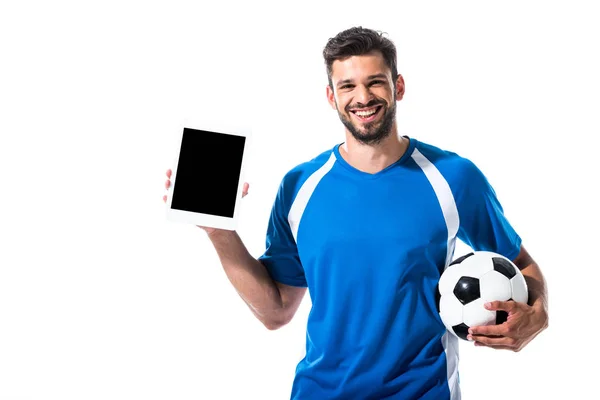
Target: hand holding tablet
point(209, 230)
point(206, 184)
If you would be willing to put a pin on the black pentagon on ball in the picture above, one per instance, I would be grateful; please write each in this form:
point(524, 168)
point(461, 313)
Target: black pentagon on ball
point(461, 330)
point(461, 259)
point(438, 297)
point(501, 317)
point(467, 289)
point(504, 267)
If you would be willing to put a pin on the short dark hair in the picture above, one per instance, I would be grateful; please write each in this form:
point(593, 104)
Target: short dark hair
point(358, 41)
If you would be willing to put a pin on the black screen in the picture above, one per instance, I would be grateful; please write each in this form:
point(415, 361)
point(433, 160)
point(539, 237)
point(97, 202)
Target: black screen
point(208, 172)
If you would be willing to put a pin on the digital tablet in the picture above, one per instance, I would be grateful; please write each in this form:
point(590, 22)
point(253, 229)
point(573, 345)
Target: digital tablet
point(208, 176)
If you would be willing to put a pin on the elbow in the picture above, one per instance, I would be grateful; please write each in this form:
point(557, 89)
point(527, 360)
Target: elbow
point(272, 326)
point(278, 322)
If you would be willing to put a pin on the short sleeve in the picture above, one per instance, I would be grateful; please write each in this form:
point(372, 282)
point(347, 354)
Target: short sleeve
point(281, 255)
point(483, 225)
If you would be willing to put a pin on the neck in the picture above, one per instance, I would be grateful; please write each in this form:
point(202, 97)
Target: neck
point(373, 158)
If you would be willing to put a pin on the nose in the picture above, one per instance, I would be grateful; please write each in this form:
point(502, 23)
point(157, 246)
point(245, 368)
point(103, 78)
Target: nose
point(363, 95)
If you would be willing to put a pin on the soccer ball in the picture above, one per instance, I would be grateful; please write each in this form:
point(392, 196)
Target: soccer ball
point(472, 280)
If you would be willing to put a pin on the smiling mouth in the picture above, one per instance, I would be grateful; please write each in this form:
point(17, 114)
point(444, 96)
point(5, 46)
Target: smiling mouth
point(367, 114)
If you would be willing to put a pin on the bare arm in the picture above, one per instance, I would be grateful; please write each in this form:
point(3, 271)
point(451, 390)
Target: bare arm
point(273, 303)
point(536, 284)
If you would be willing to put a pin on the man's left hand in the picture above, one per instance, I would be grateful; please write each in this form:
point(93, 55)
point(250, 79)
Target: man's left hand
point(524, 322)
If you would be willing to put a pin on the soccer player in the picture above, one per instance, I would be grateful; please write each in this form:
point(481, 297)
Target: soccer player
point(368, 226)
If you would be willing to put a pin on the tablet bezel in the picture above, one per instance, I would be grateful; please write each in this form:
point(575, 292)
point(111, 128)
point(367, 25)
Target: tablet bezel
point(201, 219)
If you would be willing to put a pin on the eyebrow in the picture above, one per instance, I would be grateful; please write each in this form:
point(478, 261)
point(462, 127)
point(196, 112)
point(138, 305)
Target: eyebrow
point(377, 76)
point(370, 77)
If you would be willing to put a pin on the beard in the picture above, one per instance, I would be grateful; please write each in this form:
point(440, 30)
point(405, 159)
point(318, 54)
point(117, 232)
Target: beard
point(373, 132)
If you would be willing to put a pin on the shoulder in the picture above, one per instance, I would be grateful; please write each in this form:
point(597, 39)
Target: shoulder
point(452, 165)
point(294, 178)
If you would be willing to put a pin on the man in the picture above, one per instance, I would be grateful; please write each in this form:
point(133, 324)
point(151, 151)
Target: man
point(368, 227)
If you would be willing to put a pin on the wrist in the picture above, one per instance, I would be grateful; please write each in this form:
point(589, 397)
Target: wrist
point(541, 310)
point(215, 234)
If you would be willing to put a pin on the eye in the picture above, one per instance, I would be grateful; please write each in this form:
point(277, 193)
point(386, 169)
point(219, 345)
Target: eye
point(347, 86)
point(377, 82)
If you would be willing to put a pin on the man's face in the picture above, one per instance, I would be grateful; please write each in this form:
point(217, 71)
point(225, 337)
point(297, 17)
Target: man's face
point(365, 96)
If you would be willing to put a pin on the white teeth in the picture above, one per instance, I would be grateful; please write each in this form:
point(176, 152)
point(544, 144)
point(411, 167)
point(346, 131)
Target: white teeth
point(366, 113)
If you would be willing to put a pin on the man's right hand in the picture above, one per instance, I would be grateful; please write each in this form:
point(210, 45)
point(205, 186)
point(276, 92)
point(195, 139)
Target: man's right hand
point(207, 229)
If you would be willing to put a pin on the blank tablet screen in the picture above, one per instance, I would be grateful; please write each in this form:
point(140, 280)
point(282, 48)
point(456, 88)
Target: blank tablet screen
point(208, 172)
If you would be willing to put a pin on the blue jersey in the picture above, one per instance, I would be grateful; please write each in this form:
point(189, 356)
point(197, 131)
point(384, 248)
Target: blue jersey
point(371, 248)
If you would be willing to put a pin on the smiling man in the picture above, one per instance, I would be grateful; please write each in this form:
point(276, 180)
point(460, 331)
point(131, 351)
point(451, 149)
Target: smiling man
point(368, 226)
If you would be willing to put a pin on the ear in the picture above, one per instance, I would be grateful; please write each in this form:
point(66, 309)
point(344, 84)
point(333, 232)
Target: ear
point(399, 87)
point(331, 97)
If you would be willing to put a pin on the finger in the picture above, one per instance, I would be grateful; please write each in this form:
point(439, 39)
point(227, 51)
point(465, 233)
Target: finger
point(489, 330)
point(479, 344)
point(169, 173)
point(165, 198)
point(245, 189)
point(167, 184)
point(500, 305)
point(494, 341)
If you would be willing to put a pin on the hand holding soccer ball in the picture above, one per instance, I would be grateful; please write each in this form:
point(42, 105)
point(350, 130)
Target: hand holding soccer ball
point(470, 282)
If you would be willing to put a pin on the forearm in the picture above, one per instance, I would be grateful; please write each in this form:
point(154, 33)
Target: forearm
point(536, 284)
point(249, 277)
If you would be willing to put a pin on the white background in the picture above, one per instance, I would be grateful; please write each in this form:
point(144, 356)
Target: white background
point(101, 298)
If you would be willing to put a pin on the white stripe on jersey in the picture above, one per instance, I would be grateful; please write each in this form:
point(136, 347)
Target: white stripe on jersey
point(307, 189)
point(448, 205)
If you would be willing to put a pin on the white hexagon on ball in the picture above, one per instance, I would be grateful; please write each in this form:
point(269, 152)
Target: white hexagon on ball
point(520, 293)
point(495, 286)
point(475, 314)
point(477, 265)
point(451, 311)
